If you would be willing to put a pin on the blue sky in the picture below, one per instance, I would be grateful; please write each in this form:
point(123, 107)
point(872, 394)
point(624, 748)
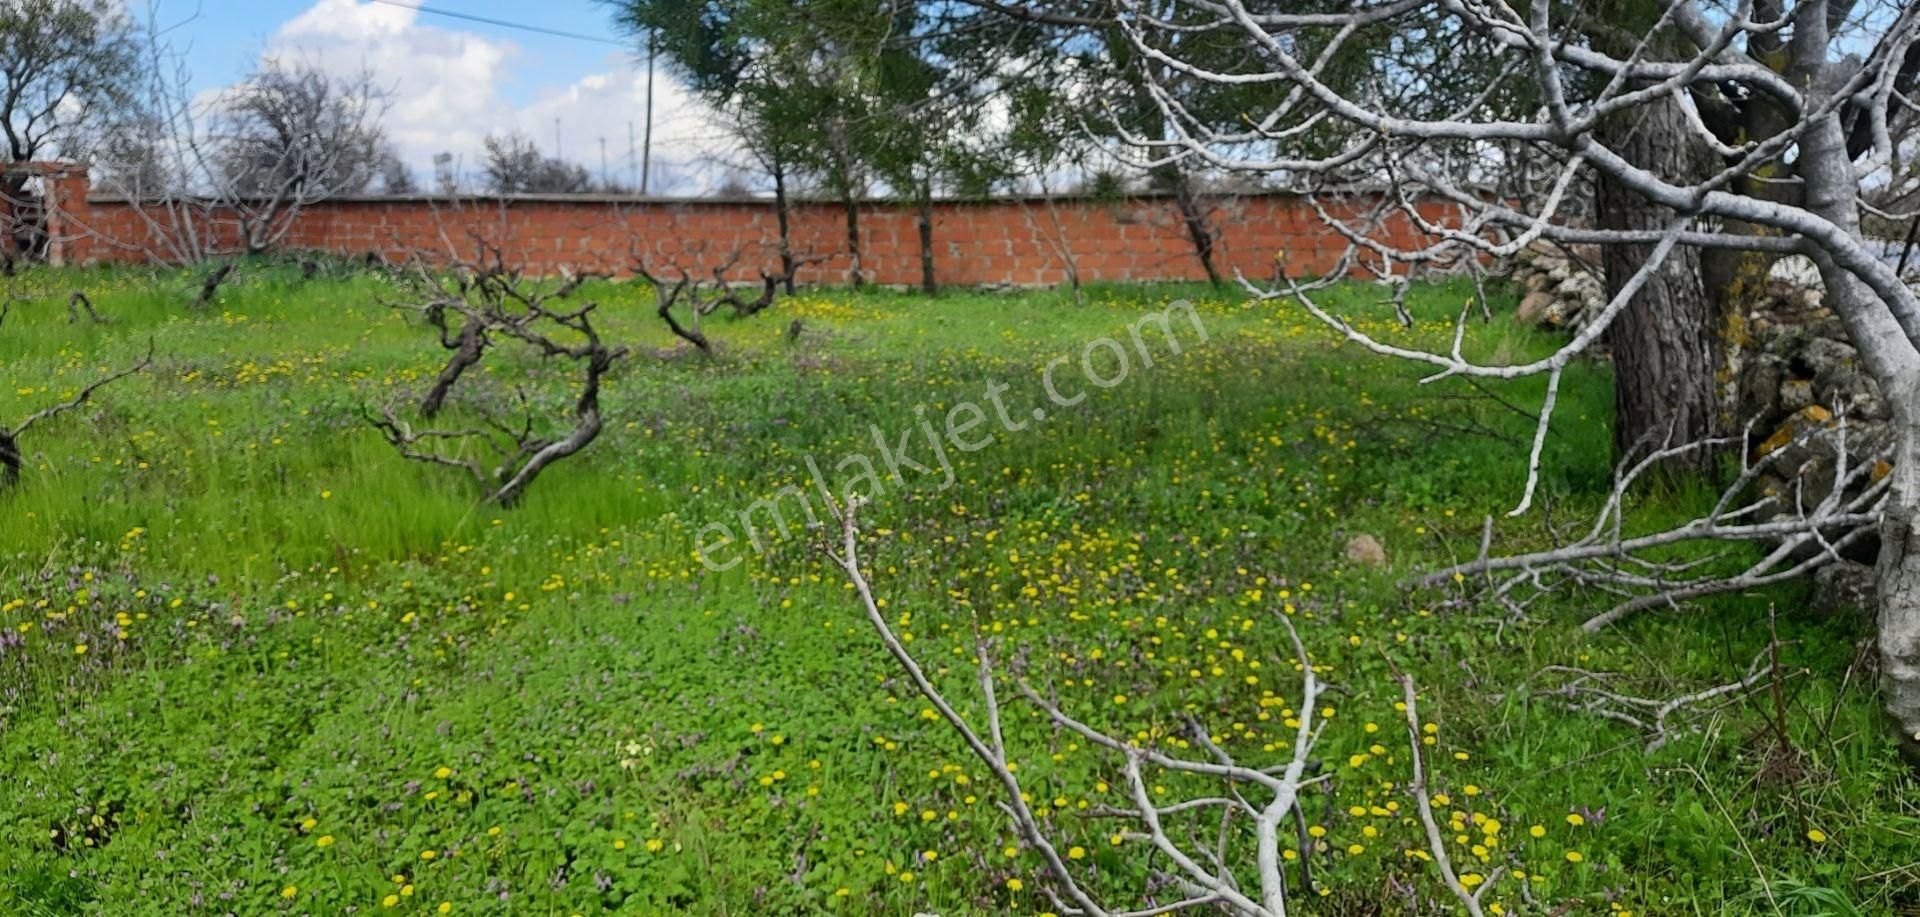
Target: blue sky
point(453, 82)
point(230, 34)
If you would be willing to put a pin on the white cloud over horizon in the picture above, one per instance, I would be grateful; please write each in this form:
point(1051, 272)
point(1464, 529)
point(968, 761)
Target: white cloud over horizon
point(452, 88)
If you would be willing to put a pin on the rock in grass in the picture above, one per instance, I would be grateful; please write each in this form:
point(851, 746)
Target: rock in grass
point(1366, 549)
point(1533, 308)
point(1845, 587)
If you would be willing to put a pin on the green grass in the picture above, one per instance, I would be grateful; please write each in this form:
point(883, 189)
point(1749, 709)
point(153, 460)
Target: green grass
point(293, 635)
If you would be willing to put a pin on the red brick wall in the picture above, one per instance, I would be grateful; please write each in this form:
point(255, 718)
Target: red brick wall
point(975, 243)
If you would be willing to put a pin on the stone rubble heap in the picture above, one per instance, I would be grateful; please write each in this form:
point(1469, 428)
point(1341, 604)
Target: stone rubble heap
point(1560, 286)
point(1797, 372)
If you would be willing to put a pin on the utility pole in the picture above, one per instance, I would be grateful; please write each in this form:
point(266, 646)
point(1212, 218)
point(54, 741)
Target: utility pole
point(603, 163)
point(646, 149)
point(558, 153)
point(633, 159)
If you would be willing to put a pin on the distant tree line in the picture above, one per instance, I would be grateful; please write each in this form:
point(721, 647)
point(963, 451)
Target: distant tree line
point(921, 100)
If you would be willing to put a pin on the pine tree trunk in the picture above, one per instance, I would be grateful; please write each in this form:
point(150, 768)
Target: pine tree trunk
point(1666, 351)
point(782, 213)
point(928, 284)
point(1173, 180)
point(1198, 230)
point(853, 237)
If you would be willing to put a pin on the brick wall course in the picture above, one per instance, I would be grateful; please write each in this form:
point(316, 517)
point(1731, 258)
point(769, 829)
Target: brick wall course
point(1003, 241)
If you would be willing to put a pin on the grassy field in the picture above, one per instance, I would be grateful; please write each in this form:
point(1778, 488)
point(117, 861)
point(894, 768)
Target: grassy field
point(253, 661)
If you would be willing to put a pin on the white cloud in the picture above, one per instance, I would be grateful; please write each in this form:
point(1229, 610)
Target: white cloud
point(686, 136)
point(450, 91)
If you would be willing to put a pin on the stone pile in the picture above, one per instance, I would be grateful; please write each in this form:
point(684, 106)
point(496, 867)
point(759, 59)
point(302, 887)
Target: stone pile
point(1797, 355)
point(1796, 372)
point(1560, 286)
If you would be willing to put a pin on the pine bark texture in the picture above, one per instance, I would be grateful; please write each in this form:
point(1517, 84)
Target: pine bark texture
point(1666, 345)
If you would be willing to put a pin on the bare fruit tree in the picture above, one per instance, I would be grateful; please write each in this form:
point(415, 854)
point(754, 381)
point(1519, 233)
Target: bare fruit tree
point(1802, 106)
point(292, 134)
point(215, 175)
point(65, 67)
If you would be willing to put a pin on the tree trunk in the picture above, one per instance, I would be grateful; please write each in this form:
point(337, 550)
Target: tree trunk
point(1193, 217)
point(853, 236)
point(928, 284)
point(20, 238)
point(1831, 191)
point(1898, 589)
point(1827, 174)
point(10, 205)
point(211, 285)
point(1148, 121)
point(1198, 231)
point(782, 214)
point(1666, 351)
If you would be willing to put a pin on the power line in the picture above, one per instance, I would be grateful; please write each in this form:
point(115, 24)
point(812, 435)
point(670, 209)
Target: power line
point(503, 23)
